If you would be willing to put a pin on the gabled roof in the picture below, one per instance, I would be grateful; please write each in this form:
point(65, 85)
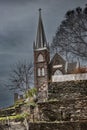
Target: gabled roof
point(57, 59)
point(40, 38)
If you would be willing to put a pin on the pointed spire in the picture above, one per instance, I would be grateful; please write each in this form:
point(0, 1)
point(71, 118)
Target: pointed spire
point(41, 38)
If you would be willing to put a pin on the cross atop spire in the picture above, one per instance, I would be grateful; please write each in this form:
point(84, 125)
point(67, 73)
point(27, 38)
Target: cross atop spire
point(39, 10)
point(41, 38)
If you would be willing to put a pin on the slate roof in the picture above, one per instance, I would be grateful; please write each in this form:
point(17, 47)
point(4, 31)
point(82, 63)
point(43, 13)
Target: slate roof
point(41, 38)
point(57, 59)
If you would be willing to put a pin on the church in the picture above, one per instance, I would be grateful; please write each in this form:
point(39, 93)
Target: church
point(61, 101)
point(44, 67)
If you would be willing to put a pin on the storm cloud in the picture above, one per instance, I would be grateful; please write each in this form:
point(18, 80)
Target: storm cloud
point(18, 26)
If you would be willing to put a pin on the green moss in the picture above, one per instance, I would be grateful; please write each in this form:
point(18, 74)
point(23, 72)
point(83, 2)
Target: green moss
point(32, 104)
point(18, 117)
point(19, 102)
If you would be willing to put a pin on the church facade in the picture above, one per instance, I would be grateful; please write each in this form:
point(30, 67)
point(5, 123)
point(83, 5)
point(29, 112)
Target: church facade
point(44, 67)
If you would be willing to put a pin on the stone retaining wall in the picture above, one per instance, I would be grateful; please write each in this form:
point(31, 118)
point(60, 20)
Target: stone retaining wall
point(59, 126)
point(14, 126)
point(67, 110)
point(67, 90)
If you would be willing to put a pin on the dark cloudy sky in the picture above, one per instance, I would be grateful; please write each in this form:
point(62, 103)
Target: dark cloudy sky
point(18, 25)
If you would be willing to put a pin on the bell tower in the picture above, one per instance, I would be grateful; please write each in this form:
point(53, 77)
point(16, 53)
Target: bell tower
point(41, 60)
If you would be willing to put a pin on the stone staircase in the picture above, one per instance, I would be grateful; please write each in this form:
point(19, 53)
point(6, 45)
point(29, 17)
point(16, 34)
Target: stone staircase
point(65, 109)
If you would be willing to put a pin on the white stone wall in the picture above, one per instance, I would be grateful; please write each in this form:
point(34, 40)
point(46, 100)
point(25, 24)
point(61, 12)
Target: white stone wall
point(69, 77)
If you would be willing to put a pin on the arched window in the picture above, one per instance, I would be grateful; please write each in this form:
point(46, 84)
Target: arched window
point(40, 58)
point(43, 72)
point(39, 72)
point(58, 72)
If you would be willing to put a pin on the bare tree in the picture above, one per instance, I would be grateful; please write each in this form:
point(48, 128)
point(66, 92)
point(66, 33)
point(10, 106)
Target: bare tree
point(71, 35)
point(21, 76)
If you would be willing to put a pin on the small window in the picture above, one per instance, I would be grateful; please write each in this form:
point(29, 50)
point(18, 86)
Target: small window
point(43, 72)
point(40, 58)
point(39, 72)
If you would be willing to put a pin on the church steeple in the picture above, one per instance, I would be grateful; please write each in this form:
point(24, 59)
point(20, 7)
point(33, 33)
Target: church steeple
point(41, 60)
point(40, 38)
